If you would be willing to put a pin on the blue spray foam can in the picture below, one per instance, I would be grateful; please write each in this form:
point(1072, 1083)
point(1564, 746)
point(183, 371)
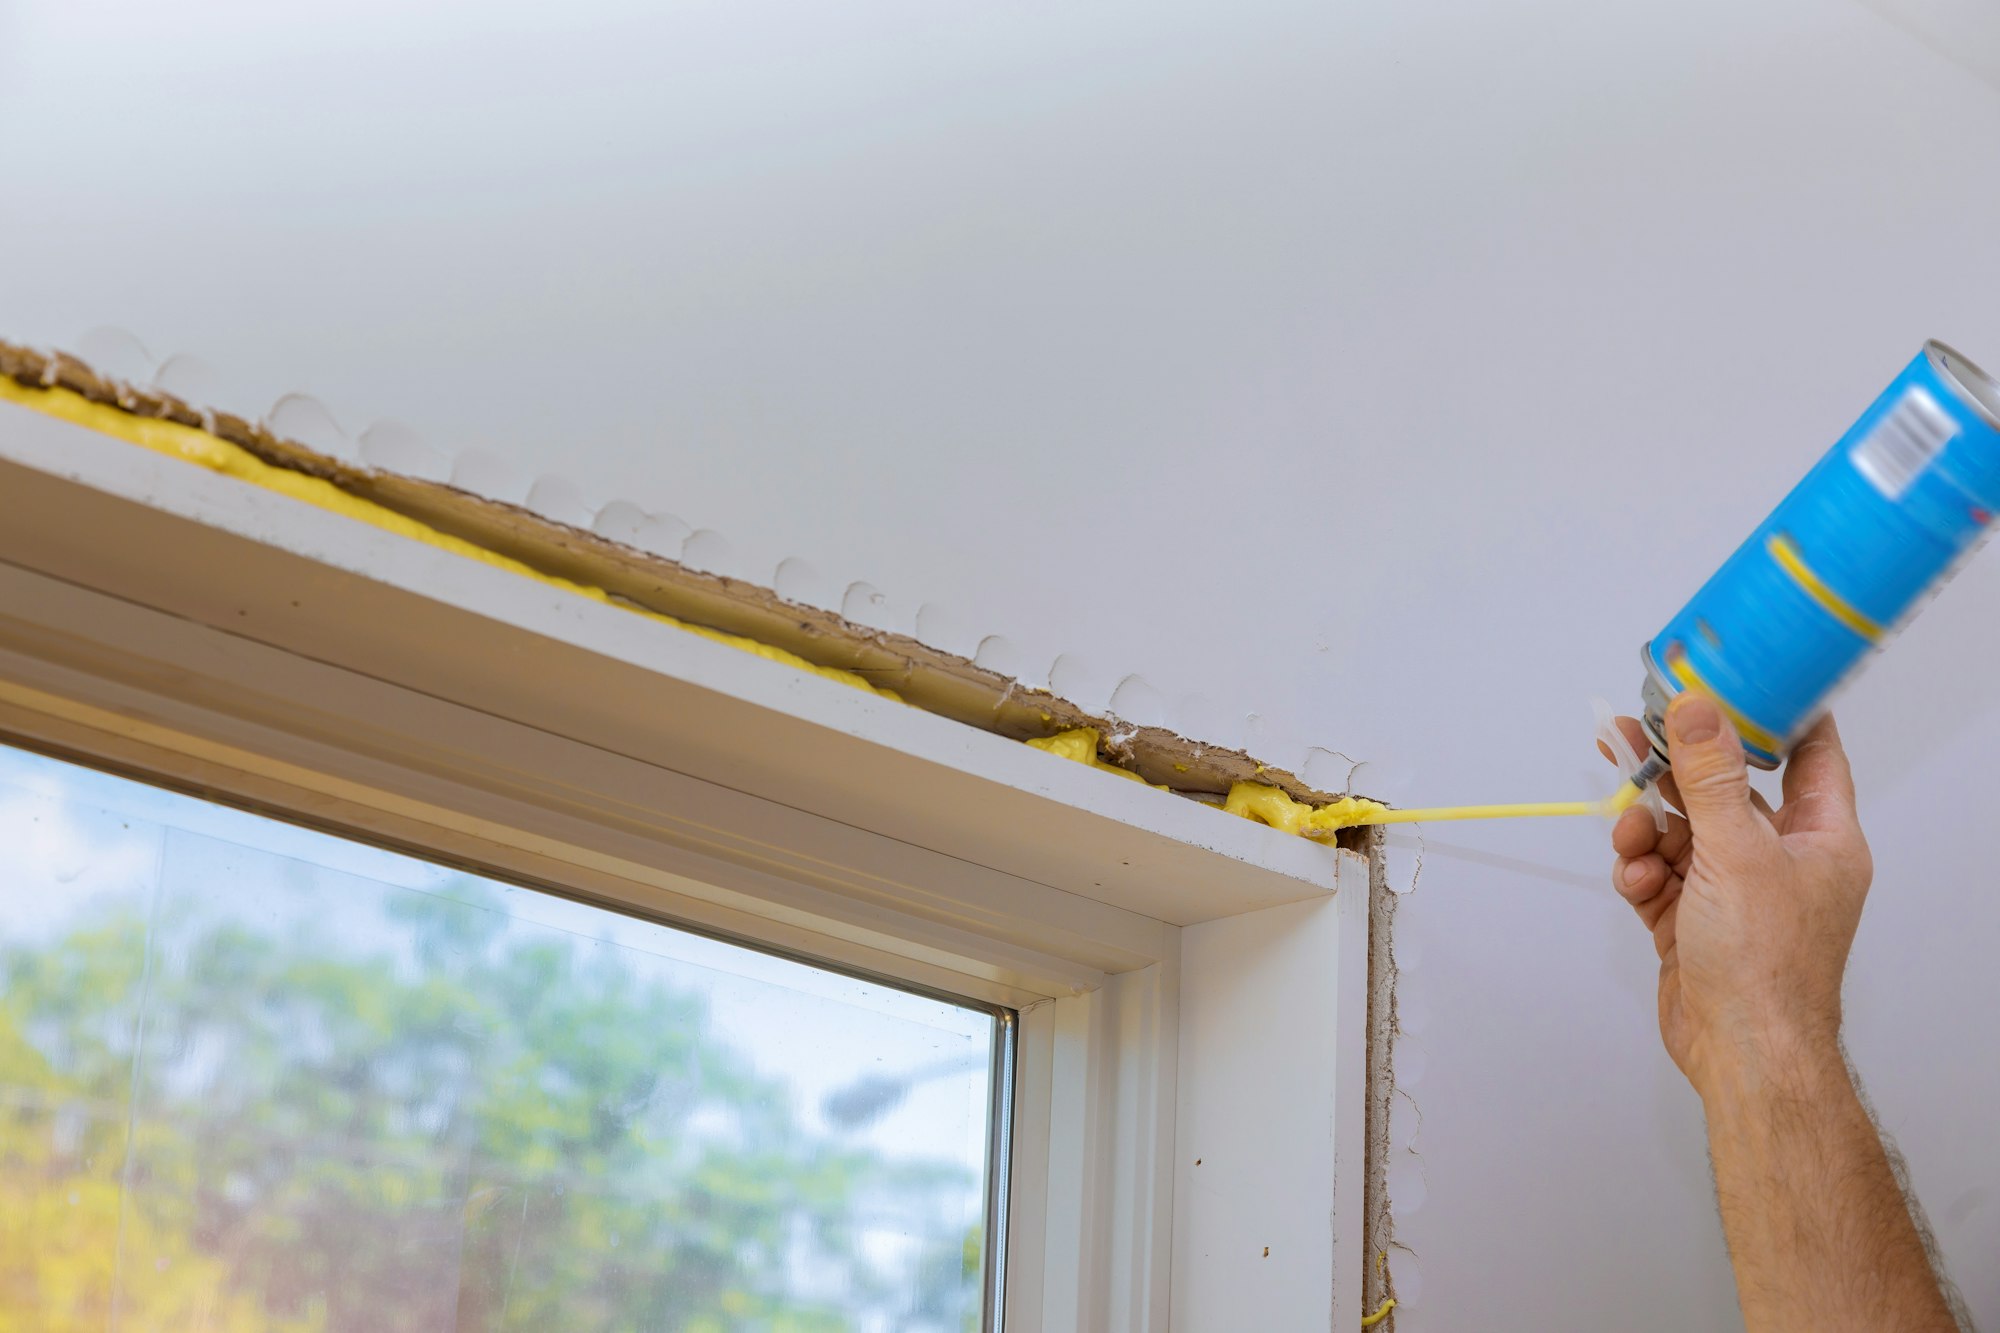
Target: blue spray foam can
point(1845, 560)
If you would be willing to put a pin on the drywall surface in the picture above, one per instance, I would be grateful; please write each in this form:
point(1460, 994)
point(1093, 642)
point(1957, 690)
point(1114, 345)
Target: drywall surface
point(1967, 31)
point(1372, 377)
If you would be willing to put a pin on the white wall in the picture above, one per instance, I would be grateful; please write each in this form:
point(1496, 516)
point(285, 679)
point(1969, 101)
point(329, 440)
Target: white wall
point(1385, 371)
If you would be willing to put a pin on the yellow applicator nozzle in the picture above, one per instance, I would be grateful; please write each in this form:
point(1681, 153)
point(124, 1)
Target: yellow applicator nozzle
point(1269, 805)
point(1273, 806)
point(1624, 798)
point(1522, 810)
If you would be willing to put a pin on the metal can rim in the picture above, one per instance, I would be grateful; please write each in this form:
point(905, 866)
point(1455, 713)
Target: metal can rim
point(1654, 676)
point(1954, 369)
point(1655, 728)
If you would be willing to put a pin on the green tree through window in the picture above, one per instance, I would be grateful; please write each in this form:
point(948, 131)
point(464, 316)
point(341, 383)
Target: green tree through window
point(241, 1090)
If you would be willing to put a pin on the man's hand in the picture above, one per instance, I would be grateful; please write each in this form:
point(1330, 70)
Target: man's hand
point(1753, 911)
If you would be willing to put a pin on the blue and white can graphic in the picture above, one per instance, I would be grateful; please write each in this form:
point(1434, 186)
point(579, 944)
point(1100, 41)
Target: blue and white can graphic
point(1845, 560)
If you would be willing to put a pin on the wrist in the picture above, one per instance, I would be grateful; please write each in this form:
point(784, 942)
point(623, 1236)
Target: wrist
point(1771, 1064)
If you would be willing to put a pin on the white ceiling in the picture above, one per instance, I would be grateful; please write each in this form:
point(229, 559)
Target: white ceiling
point(1370, 377)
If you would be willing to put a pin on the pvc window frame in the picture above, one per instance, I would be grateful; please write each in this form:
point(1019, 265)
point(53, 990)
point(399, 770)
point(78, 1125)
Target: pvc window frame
point(1187, 1140)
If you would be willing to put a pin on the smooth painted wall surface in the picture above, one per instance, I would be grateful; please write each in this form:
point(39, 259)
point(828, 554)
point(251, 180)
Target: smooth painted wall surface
point(1370, 377)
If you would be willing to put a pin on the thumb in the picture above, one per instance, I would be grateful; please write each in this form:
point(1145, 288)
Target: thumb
point(1708, 767)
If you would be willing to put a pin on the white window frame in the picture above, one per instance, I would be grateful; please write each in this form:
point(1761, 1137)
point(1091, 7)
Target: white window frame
point(1188, 1132)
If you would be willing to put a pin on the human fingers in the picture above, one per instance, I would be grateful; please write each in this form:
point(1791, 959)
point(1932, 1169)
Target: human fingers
point(1818, 774)
point(1635, 834)
point(1648, 883)
point(1666, 925)
point(1714, 783)
point(1757, 801)
point(1676, 842)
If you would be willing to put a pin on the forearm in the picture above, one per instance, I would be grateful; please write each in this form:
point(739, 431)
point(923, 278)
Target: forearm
point(1818, 1230)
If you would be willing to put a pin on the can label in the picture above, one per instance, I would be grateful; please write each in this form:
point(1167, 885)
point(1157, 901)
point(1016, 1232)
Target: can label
point(1843, 561)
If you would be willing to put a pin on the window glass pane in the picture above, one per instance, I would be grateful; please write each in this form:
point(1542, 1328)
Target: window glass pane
point(257, 1077)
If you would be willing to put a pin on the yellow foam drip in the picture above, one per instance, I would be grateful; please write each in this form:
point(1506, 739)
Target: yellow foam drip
point(1080, 745)
point(1270, 805)
point(233, 460)
point(1382, 1310)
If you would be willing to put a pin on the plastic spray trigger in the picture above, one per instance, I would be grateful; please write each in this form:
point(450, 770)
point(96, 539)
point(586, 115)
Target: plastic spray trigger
point(1612, 739)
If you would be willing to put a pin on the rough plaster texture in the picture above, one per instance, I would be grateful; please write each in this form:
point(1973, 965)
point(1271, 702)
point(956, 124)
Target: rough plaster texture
point(1372, 377)
point(1386, 1131)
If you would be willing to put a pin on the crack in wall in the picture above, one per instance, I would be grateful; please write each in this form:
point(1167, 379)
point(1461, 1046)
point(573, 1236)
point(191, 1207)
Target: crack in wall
point(1378, 1225)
